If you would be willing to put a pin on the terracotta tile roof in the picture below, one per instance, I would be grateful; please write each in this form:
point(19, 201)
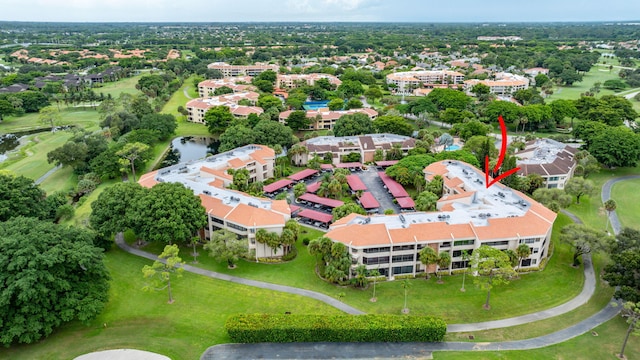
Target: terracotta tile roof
point(361, 235)
point(250, 216)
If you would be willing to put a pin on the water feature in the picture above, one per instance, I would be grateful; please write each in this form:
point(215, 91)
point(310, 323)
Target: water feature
point(452, 147)
point(190, 148)
point(9, 142)
point(315, 105)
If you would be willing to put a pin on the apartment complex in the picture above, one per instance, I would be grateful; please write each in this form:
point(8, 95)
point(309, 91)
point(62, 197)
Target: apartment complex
point(227, 209)
point(242, 70)
point(325, 119)
point(503, 84)
point(552, 160)
point(292, 81)
point(365, 145)
point(197, 108)
point(237, 84)
point(407, 82)
point(469, 215)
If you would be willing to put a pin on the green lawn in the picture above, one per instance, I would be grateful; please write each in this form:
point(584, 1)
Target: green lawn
point(178, 98)
point(127, 85)
point(31, 159)
point(560, 281)
point(590, 209)
point(627, 198)
point(600, 299)
point(140, 320)
point(86, 118)
point(596, 74)
point(606, 345)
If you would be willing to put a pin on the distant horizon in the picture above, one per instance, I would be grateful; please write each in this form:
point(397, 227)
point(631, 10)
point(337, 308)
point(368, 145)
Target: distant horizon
point(317, 11)
point(631, 22)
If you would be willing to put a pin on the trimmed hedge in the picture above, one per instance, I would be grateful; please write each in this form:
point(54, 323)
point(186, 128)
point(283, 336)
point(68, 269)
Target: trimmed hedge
point(277, 328)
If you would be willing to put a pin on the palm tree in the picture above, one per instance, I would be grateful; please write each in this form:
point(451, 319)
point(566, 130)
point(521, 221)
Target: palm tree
point(444, 260)
point(609, 205)
point(428, 257)
point(465, 258)
point(361, 276)
point(405, 285)
point(374, 273)
point(287, 238)
point(523, 251)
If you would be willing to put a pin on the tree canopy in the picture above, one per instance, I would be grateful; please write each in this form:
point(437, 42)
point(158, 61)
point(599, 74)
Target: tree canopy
point(353, 124)
point(168, 212)
point(51, 275)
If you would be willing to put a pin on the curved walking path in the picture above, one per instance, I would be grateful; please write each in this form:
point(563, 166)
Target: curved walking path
point(238, 280)
point(389, 351)
point(186, 93)
point(47, 174)
point(606, 195)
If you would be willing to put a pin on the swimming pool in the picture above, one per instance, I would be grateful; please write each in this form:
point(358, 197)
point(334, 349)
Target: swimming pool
point(452, 148)
point(315, 105)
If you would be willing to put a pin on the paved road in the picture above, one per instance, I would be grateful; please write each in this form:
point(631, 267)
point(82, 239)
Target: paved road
point(47, 174)
point(287, 289)
point(186, 93)
point(395, 350)
point(606, 195)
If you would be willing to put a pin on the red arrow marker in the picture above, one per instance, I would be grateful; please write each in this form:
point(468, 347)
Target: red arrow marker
point(503, 152)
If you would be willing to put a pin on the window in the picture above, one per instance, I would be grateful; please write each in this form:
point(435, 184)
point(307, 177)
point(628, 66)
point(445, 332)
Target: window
point(526, 262)
point(216, 220)
point(375, 260)
point(237, 227)
point(459, 264)
point(496, 243)
point(463, 242)
point(402, 258)
point(403, 247)
point(376, 250)
point(458, 253)
point(354, 250)
point(445, 244)
point(535, 250)
point(528, 240)
point(402, 270)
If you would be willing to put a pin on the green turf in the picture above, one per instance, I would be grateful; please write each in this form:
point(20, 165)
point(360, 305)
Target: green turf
point(560, 281)
point(627, 198)
point(178, 98)
point(127, 85)
point(62, 180)
point(86, 118)
point(596, 74)
point(141, 320)
point(31, 159)
point(604, 344)
point(600, 299)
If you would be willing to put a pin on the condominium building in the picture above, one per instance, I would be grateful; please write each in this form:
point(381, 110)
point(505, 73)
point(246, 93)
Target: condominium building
point(365, 145)
point(237, 84)
point(552, 160)
point(408, 81)
point(325, 119)
point(292, 81)
point(227, 209)
point(504, 84)
point(197, 108)
point(242, 70)
point(469, 215)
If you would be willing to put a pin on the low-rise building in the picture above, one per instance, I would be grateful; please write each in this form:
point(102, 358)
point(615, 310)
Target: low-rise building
point(228, 209)
point(292, 81)
point(406, 82)
point(365, 145)
point(237, 84)
point(197, 108)
point(325, 119)
point(469, 215)
point(552, 160)
point(242, 70)
point(503, 84)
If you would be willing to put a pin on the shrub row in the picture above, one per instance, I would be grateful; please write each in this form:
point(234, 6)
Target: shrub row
point(277, 328)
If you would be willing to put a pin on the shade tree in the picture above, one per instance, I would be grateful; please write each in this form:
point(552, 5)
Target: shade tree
point(161, 272)
point(225, 246)
point(492, 267)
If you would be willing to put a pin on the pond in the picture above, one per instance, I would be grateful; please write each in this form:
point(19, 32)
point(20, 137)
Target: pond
point(188, 148)
point(10, 142)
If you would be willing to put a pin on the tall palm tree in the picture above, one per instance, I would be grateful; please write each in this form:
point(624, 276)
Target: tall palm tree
point(405, 285)
point(428, 257)
point(609, 205)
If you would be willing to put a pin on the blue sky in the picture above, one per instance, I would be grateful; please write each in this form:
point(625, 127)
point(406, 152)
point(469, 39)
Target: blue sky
point(319, 10)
